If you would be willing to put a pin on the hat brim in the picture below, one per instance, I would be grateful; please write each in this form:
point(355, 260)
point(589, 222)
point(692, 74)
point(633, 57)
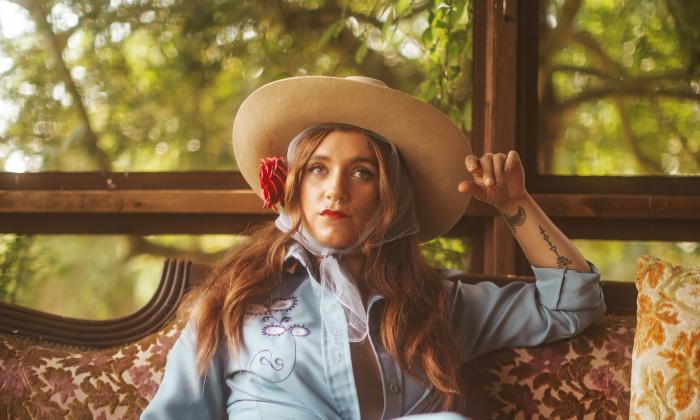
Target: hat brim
point(432, 146)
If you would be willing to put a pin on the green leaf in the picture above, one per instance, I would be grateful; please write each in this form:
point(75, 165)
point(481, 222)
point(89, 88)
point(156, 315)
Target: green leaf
point(427, 36)
point(443, 6)
point(332, 32)
point(361, 53)
point(402, 6)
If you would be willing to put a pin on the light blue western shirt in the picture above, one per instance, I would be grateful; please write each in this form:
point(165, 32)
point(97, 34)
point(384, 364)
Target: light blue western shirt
point(289, 367)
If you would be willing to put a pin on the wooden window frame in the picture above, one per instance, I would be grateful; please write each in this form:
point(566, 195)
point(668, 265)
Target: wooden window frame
point(504, 116)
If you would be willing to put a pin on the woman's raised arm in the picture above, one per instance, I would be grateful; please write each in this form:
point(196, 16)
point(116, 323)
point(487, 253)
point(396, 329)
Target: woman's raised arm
point(499, 180)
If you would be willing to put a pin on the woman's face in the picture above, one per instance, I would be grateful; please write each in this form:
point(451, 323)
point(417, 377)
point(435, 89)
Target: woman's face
point(339, 189)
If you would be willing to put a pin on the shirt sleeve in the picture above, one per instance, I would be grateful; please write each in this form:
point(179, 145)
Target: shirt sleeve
point(183, 394)
point(560, 304)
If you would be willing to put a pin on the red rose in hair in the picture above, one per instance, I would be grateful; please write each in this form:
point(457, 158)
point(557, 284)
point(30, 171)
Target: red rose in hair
point(272, 172)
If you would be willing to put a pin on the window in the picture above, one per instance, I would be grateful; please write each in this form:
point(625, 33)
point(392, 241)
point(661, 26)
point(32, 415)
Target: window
point(607, 160)
point(618, 90)
point(94, 276)
point(618, 111)
point(116, 118)
point(132, 87)
point(526, 67)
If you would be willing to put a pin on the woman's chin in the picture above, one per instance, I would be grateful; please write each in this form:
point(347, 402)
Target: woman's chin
point(334, 241)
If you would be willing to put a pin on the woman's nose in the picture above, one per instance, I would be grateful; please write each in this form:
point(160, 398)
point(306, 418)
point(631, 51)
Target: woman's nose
point(336, 189)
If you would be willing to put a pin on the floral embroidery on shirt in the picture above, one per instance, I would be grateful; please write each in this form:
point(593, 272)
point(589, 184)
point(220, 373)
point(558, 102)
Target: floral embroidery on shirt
point(274, 330)
point(275, 305)
point(264, 357)
point(275, 326)
point(299, 330)
point(285, 304)
point(277, 322)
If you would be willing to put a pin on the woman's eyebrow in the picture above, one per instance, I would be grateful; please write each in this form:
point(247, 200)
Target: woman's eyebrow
point(356, 159)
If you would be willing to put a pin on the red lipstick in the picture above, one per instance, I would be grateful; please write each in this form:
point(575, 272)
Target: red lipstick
point(332, 214)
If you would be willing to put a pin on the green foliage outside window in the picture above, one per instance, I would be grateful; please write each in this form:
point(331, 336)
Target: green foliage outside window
point(153, 86)
point(94, 276)
point(619, 87)
point(617, 260)
point(101, 277)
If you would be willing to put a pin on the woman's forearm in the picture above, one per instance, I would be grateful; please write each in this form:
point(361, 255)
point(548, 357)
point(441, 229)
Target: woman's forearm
point(541, 240)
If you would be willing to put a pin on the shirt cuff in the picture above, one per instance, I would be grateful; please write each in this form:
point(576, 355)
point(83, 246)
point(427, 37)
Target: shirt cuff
point(568, 290)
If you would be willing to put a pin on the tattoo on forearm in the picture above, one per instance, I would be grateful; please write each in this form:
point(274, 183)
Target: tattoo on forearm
point(562, 261)
point(517, 219)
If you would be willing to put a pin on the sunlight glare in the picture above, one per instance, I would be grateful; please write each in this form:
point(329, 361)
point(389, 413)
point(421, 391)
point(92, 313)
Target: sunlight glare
point(16, 162)
point(14, 20)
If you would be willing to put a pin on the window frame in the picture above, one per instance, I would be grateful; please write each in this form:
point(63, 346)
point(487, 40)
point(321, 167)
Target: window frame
point(506, 43)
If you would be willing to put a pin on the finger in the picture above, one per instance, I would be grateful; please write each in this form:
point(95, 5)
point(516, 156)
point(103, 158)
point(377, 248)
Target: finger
point(486, 162)
point(472, 164)
point(512, 161)
point(472, 188)
point(499, 160)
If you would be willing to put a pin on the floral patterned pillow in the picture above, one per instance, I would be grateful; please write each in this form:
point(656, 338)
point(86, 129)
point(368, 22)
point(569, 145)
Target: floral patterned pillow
point(666, 354)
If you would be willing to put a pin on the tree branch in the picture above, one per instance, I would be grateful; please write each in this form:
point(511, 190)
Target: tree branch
point(552, 39)
point(588, 41)
point(670, 76)
point(591, 71)
point(651, 166)
point(623, 90)
point(39, 16)
point(140, 246)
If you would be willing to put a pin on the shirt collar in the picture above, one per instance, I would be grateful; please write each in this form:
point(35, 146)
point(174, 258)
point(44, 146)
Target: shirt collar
point(296, 255)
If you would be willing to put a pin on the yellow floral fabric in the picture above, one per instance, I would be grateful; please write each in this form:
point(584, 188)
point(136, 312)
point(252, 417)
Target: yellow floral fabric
point(666, 355)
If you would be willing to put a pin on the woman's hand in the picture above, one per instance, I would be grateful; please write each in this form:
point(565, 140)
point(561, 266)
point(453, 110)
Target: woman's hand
point(498, 179)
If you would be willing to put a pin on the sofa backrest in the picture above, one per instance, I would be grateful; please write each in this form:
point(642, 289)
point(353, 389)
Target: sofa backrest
point(55, 367)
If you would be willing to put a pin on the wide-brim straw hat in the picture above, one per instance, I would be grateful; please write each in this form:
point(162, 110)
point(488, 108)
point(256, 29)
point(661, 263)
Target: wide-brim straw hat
point(432, 146)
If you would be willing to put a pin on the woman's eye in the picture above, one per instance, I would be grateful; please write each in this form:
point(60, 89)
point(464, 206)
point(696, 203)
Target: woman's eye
point(316, 169)
point(362, 173)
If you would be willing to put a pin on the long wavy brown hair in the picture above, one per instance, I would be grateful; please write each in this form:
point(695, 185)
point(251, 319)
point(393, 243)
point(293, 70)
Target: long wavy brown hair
point(415, 326)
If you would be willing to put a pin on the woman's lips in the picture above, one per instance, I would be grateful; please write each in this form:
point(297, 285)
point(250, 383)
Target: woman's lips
point(332, 214)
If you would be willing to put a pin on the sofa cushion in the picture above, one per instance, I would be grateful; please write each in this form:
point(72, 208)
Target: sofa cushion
point(48, 381)
point(587, 375)
point(666, 357)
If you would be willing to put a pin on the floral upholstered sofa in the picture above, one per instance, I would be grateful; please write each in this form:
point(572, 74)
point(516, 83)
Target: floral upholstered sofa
point(46, 375)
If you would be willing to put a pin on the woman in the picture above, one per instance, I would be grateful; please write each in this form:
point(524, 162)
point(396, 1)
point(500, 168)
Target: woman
point(331, 312)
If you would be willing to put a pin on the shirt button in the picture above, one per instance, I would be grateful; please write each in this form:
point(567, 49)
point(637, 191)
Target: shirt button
point(393, 388)
point(337, 357)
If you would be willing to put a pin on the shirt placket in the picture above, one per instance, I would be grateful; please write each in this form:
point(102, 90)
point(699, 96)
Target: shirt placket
point(391, 375)
point(337, 360)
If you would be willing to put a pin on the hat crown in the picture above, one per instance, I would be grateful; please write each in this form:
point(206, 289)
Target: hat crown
point(368, 80)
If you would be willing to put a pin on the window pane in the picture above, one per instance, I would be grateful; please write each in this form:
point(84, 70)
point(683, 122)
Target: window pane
point(110, 276)
point(94, 276)
point(619, 88)
point(153, 86)
point(617, 260)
